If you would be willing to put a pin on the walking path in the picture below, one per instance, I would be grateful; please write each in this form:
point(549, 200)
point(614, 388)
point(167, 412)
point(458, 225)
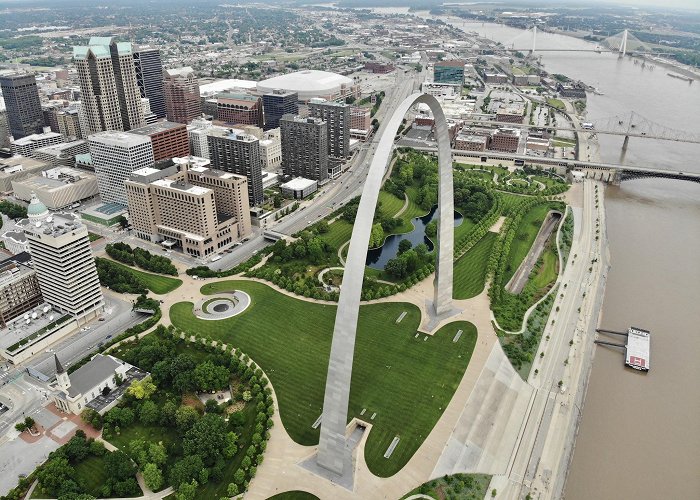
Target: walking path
point(403, 208)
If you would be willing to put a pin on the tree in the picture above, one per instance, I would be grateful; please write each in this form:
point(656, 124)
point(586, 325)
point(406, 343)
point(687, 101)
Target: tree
point(142, 389)
point(157, 453)
point(187, 491)
point(185, 470)
point(54, 473)
point(207, 437)
point(29, 422)
point(149, 413)
point(153, 477)
point(232, 489)
point(404, 245)
point(239, 477)
point(185, 418)
point(211, 377)
point(377, 236)
point(277, 201)
point(231, 447)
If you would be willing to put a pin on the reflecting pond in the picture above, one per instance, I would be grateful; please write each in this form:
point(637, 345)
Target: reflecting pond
point(378, 257)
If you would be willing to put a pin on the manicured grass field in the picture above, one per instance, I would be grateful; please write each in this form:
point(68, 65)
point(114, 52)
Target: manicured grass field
point(390, 203)
point(524, 237)
point(94, 236)
point(463, 228)
point(547, 273)
point(405, 380)
point(509, 200)
point(413, 210)
point(556, 103)
point(294, 495)
point(470, 269)
point(154, 282)
point(151, 434)
point(456, 486)
point(339, 232)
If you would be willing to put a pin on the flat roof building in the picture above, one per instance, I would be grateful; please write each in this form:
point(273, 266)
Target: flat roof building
point(115, 155)
point(57, 187)
point(278, 103)
point(470, 142)
point(16, 168)
point(27, 144)
point(299, 188)
point(337, 118)
point(19, 291)
point(449, 72)
point(238, 153)
point(21, 97)
point(201, 210)
point(304, 147)
point(239, 109)
point(62, 154)
point(505, 139)
point(65, 266)
point(169, 139)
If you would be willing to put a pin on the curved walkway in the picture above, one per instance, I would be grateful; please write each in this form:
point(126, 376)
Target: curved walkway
point(555, 286)
point(403, 208)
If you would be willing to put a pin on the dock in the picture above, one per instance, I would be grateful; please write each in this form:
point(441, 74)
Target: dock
point(637, 349)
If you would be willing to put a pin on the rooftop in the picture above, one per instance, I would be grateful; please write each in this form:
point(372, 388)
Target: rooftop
point(91, 373)
point(181, 186)
point(237, 96)
point(36, 137)
point(120, 139)
point(157, 127)
point(185, 71)
point(298, 184)
point(209, 89)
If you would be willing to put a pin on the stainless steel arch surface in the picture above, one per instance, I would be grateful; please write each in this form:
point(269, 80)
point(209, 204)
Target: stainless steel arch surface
point(333, 452)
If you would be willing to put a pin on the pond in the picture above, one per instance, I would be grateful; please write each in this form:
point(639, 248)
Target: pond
point(378, 257)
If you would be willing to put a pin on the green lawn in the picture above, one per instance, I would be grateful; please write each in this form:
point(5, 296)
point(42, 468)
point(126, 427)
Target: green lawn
point(524, 237)
point(413, 210)
point(556, 103)
point(93, 236)
point(154, 282)
point(406, 381)
point(463, 228)
point(339, 232)
point(547, 272)
point(294, 495)
point(390, 203)
point(470, 269)
point(151, 434)
point(509, 200)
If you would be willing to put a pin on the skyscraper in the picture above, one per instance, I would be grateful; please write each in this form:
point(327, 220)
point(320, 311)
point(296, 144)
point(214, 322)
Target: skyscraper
point(304, 147)
point(21, 97)
point(110, 95)
point(337, 118)
point(237, 153)
point(182, 101)
point(115, 155)
point(64, 264)
point(149, 77)
point(278, 103)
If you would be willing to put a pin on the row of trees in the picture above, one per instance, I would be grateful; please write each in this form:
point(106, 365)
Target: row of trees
point(118, 278)
point(142, 258)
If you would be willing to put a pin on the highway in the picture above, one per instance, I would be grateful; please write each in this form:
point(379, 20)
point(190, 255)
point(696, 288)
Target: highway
point(334, 194)
point(539, 460)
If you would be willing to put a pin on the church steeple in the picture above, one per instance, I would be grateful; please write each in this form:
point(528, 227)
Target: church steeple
point(61, 375)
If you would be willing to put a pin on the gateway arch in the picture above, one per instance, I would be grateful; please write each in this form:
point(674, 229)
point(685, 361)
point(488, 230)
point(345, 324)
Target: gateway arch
point(333, 453)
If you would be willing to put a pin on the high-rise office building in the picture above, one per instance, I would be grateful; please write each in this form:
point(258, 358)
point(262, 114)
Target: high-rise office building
point(182, 101)
point(149, 77)
point(304, 147)
point(197, 132)
point(198, 209)
point(278, 103)
point(337, 118)
point(109, 93)
point(21, 97)
point(239, 109)
point(69, 122)
point(169, 139)
point(115, 155)
point(65, 266)
point(449, 72)
point(232, 151)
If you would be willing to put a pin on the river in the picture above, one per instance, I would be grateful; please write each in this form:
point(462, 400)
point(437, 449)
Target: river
point(640, 434)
